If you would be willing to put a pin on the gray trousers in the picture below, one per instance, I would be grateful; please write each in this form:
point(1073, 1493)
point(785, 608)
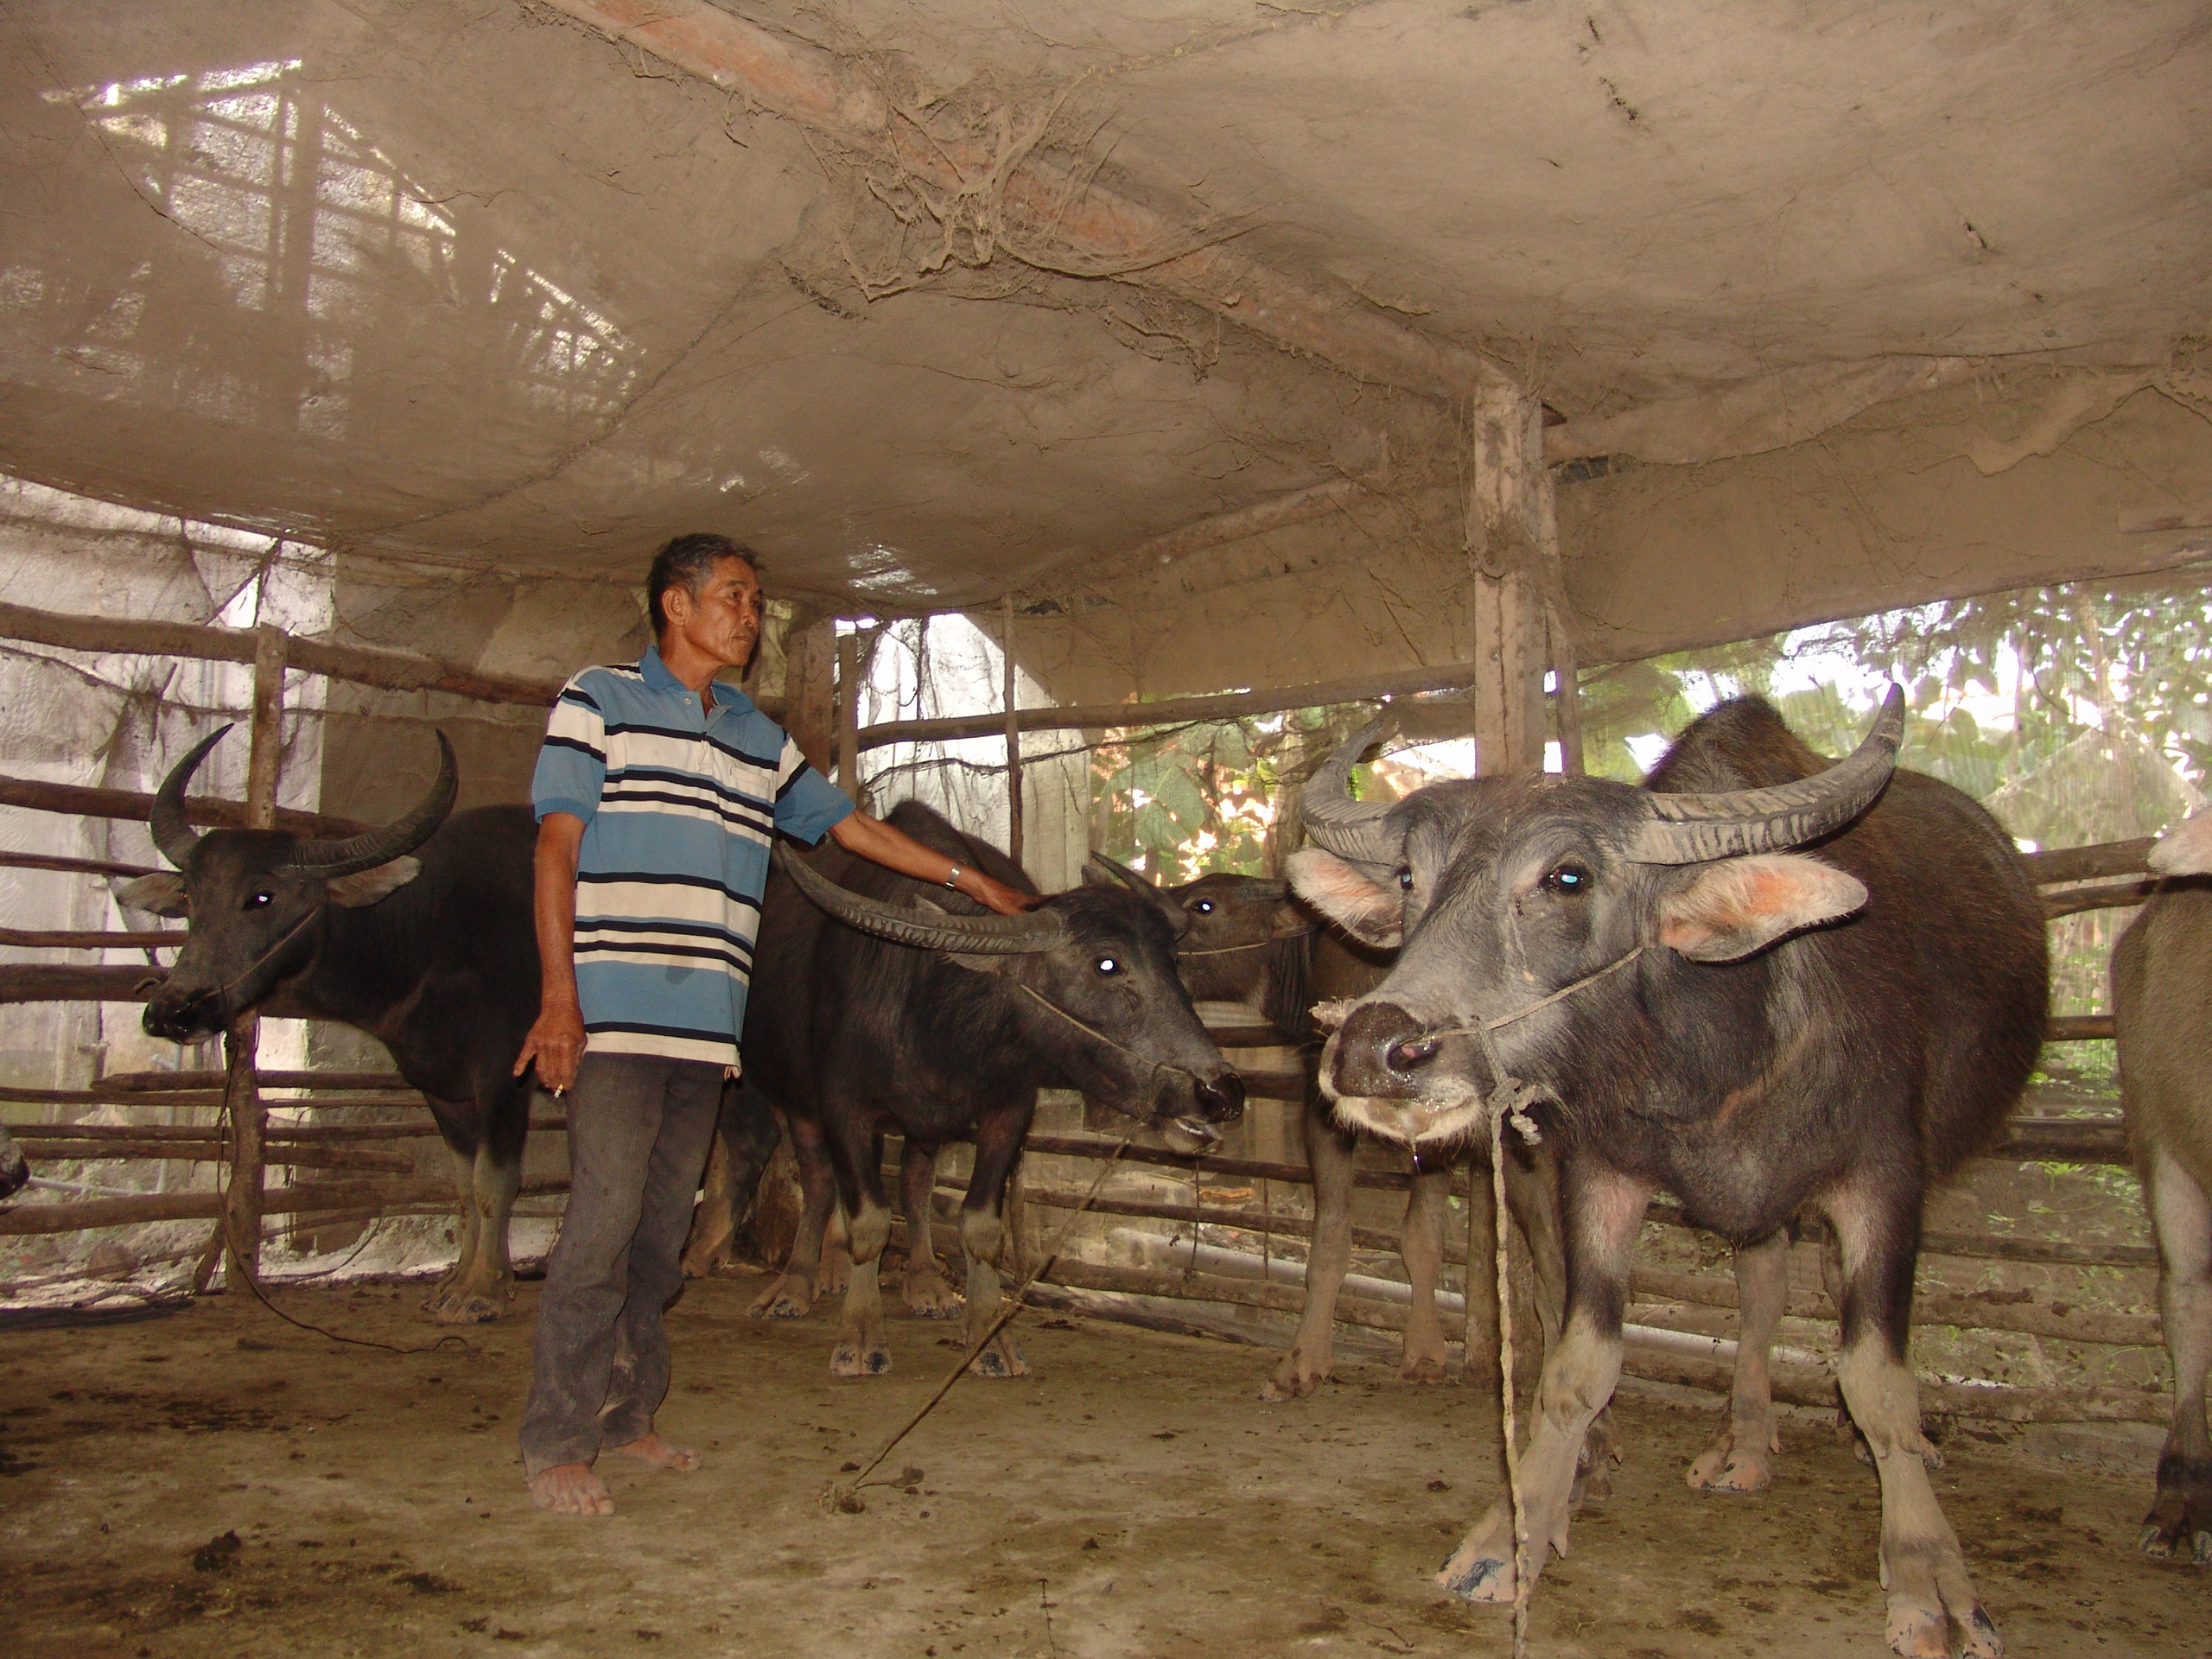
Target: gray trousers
point(639, 1128)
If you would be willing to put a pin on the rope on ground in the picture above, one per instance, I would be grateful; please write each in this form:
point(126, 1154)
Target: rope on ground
point(842, 1496)
point(1500, 1228)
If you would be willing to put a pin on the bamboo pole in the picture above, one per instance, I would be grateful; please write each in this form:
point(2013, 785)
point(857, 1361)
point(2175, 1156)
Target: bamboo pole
point(130, 804)
point(389, 671)
point(1013, 737)
point(38, 1219)
point(1227, 705)
point(39, 938)
point(73, 866)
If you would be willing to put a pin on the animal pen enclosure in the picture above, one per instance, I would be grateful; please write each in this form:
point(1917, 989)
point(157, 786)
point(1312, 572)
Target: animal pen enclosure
point(1125, 400)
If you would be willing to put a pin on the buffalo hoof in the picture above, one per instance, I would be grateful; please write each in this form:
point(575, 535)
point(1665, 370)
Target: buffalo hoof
point(1925, 1633)
point(998, 1360)
point(477, 1307)
point(1929, 1592)
point(1421, 1369)
point(1476, 1574)
point(1734, 1463)
point(2179, 1526)
point(706, 1263)
point(928, 1296)
point(790, 1297)
point(1593, 1464)
point(1294, 1377)
point(860, 1355)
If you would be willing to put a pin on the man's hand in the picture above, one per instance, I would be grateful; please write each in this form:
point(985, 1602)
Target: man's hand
point(556, 1042)
point(1008, 901)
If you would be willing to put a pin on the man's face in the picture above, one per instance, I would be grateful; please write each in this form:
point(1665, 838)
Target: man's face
point(722, 620)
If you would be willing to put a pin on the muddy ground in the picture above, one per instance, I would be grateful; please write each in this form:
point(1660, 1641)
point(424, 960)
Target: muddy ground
point(218, 1482)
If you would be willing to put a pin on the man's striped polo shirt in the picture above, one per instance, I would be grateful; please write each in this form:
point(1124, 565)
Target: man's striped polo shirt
point(679, 806)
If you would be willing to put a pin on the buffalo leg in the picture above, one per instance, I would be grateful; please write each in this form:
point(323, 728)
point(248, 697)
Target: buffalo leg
point(1878, 1225)
point(1603, 1211)
point(1329, 1154)
point(863, 1347)
point(927, 1295)
point(1741, 1457)
point(465, 1222)
point(792, 1295)
point(982, 1238)
point(2181, 1520)
point(485, 1283)
point(1532, 1195)
point(745, 1136)
point(1422, 1248)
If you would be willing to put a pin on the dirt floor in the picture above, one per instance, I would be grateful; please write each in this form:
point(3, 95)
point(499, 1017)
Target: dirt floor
point(218, 1481)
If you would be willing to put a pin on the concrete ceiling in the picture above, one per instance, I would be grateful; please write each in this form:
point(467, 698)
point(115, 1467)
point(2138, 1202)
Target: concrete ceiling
point(932, 302)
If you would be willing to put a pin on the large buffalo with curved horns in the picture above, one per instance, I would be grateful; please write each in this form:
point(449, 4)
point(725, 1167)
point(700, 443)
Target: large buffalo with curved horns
point(1760, 982)
point(880, 1002)
point(418, 933)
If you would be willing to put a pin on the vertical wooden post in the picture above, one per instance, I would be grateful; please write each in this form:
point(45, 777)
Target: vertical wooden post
point(848, 714)
point(242, 1102)
point(1012, 742)
point(810, 690)
point(1566, 665)
point(1504, 544)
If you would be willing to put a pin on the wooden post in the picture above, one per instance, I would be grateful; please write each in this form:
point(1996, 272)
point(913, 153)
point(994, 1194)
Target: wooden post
point(1012, 742)
point(1566, 667)
point(242, 1103)
point(848, 714)
point(810, 690)
point(1505, 546)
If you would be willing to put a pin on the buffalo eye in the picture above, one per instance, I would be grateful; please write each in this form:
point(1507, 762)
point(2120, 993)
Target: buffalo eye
point(258, 900)
point(1109, 965)
point(1204, 907)
point(1569, 878)
point(1405, 881)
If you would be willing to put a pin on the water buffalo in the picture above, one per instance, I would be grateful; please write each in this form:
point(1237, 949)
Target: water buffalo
point(2162, 1007)
point(1703, 1008)
point(1249, 942)
point(879, 1001)
point(418, 933)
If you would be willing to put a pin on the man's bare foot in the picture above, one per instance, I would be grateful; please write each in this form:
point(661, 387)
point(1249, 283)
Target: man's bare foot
point(651, 1450)
point(571, 1489)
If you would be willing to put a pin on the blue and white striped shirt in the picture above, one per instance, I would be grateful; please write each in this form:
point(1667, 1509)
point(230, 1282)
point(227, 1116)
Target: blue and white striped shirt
point(679, 808)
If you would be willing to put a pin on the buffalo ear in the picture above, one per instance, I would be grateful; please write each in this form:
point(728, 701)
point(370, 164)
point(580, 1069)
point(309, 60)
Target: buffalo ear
point(1289, 921)
point(161, 894)
point(1370, 914)
point(2186, 850)
point(370, 886)
point(1738, 906)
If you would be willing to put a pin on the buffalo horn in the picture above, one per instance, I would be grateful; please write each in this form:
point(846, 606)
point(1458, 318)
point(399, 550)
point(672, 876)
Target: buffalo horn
point(171, 834)
point(1694, 828)
point(332, 859)
point(925, 929)
point(1349, 828)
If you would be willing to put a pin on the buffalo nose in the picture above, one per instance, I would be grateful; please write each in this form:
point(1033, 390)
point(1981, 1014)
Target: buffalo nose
point(1222, 1099)
point(1379, 1049)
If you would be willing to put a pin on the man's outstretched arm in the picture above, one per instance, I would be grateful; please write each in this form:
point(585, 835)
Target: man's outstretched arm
point(872, 838)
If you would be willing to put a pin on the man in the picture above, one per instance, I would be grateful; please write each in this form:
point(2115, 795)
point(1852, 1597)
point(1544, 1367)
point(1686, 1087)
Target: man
point(659, 790)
